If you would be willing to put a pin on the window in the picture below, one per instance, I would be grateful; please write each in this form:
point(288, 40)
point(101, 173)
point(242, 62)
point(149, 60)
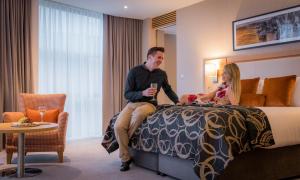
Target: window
point(70, 62)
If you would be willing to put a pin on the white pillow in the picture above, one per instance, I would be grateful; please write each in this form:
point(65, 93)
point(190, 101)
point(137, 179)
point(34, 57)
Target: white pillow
point(260, 87)
point(296, 97)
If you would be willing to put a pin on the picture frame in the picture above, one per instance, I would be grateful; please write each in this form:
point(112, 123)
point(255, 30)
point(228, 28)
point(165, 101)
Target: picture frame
point(277, 27)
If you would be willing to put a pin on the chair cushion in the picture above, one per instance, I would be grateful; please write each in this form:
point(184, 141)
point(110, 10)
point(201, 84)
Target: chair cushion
point(39, 138)
point(252, 100)
point(249, 85)
point(49, 116)
point(279, 91)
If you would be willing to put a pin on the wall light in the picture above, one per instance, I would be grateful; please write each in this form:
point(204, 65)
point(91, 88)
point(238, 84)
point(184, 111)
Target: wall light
point(213, 69)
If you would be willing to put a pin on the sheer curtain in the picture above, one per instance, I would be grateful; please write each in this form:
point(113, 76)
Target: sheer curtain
point(70, 62)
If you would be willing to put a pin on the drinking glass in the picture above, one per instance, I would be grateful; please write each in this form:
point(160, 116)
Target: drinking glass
point(153, 85)
point(42, 110)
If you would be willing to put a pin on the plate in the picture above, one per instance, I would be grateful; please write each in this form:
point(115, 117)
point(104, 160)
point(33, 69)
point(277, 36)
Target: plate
point(41, 123)
point(24, 125)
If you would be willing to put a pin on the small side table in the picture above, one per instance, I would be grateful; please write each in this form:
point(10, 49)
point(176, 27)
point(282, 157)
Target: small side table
point(7, 128)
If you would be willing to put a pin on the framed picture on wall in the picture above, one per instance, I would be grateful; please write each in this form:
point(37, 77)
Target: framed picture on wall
point(273, 28)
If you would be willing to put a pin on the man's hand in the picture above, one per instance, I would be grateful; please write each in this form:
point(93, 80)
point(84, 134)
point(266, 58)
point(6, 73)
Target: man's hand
point(184, 99)
point(149, 92)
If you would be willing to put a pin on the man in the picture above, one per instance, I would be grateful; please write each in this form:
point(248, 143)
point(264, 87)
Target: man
point(140, 99)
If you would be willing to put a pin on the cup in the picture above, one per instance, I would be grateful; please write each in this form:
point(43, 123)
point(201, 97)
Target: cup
point(42, 109)
point(153, 85)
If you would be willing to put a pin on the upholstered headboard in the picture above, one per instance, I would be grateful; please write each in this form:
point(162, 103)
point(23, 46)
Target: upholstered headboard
point(269, 66)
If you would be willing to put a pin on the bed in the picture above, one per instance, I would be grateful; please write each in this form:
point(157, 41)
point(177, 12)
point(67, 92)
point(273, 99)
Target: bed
point(279, 162)
point(206, 137)
point(270, 151)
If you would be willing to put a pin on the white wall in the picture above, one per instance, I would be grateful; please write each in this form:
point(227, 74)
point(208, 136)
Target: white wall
point(169, 64)
point(160, 41)
point(170, 59)
point(148, 37)
point(204, 31)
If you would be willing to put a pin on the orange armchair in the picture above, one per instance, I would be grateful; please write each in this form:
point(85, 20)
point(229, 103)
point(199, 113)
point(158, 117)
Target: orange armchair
point(48, 141)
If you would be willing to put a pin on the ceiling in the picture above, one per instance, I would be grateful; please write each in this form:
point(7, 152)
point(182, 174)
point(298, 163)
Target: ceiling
point(137, 9)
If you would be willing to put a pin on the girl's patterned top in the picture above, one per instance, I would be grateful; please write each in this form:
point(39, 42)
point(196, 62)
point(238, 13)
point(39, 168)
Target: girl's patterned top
point(222, 95)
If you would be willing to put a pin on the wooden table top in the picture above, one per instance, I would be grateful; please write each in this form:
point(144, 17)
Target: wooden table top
point(5, 167)
point(7, 128)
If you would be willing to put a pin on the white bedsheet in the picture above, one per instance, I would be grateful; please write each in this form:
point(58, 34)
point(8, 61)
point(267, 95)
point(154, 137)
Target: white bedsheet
point(285, 124)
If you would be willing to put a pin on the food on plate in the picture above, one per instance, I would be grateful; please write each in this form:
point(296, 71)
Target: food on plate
point(24, 119)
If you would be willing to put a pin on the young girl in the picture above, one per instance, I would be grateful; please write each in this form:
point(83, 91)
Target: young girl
point(227, 93)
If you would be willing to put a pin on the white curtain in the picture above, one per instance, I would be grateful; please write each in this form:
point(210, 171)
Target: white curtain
point(70, 62)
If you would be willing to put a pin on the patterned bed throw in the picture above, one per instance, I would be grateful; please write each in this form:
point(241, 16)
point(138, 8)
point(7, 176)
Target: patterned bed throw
point(209, 136)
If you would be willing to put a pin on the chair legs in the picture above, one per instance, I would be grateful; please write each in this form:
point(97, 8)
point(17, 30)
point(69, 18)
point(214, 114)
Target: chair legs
point(60, 156)
point(9, 157)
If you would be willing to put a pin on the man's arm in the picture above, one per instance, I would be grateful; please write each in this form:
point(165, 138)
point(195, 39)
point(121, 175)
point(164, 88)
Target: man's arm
point(168, 90)
point(130, 93)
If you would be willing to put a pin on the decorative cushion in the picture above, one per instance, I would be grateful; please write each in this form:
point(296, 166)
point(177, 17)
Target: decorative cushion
point(279, 91)
point(250, 99)
point(249, 85)
point(49, 116)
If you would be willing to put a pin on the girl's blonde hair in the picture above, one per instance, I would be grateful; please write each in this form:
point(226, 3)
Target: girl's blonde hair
point(234, 72)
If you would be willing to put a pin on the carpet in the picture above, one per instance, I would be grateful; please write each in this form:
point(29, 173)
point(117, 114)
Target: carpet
point(83, 159)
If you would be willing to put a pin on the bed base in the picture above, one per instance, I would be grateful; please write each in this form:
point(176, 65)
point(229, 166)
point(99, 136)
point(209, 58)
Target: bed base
point(265, 164)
